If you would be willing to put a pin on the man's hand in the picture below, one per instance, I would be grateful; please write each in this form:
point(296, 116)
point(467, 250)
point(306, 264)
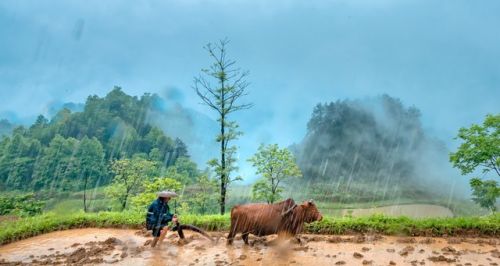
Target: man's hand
point(174, 219)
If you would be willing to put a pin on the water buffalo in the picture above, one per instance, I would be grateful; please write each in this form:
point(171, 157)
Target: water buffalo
point(284, 217)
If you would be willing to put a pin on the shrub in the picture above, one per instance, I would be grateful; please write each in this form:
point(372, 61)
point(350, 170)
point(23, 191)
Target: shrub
point(20, 205)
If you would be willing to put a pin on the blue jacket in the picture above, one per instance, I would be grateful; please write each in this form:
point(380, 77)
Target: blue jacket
point(158, 214)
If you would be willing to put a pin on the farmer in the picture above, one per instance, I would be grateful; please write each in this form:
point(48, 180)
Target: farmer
point(159, 215)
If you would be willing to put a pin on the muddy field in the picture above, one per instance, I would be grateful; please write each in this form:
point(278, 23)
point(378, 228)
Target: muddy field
point(129, 247)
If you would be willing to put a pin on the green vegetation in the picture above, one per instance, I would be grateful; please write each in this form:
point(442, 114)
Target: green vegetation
point(460, 226)
point(485, 193)
point(143, 200)
point(203, 196)
point(20, 205)
point(128, 177)
point(74, 150)
point(487, 226)
point(224, 99)
point(481, 149)
point(275, 165)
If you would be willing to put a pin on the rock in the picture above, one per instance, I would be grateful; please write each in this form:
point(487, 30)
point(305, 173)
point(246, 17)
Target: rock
point(365, 249)
point(449, 249)
point(335, 239)
point(304, 248)
point(405, 251)
point(316, 238)
point(495, 253)
point(242, 257)
point(367, 262)
point(427, 241)
point(441, 258)
point(340, 262)
point(392, 263)
point(357, 255)
point(407, 240)
point(391, 250)
point(112, 241)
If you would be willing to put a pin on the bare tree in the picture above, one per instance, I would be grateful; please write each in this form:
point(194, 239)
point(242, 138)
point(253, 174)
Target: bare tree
point(223, 96)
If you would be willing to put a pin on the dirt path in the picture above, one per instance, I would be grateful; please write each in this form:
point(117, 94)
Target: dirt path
point(126, 247)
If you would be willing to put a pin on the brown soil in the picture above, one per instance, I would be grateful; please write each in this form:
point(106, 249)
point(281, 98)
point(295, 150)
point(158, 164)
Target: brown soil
point(129, 247)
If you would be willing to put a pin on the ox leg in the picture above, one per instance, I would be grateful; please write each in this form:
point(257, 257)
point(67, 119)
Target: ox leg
point(245, 238)
point(231, 235)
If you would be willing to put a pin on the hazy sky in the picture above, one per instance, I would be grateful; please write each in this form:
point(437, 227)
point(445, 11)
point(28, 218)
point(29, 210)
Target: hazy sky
point(441, 56)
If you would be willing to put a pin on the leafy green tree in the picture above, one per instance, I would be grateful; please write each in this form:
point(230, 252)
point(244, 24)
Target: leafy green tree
point(129, 176)
point(89, 164)
point(480, 149)
point(151, 188)
point(275, 165)
point(185, 171)
point(17, 159)
point(55, 169)
point(223, 97)
point(203, 195)
point(485, 193)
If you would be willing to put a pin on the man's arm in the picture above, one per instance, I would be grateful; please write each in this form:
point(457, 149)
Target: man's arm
point(168, 215)
point(150, 216)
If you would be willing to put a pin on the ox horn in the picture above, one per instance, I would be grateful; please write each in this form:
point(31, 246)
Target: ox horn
point(289, 210)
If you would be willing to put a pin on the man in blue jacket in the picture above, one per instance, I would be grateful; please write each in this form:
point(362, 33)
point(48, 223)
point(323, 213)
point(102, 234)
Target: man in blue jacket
point(159, 215)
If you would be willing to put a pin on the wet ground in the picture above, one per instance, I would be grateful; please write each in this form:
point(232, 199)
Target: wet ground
point(129, 247)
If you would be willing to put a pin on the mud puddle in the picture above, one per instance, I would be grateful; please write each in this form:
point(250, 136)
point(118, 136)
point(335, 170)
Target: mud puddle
point(127, 247)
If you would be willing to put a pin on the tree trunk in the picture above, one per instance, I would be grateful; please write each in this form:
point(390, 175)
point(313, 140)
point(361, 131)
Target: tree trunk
point(223, 168)
point(223, 176)
point(124, 202)
point(85, 195)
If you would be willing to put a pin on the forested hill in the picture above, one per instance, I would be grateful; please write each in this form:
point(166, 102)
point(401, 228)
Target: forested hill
point(6, 127)
point(54, 153)
point(377, 141)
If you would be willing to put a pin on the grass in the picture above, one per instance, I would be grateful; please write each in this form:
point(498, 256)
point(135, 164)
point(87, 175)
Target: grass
point(458, 226)
point(483, 226)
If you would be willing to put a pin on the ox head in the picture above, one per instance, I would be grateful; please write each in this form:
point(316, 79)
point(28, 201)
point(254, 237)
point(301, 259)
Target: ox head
point(311, 212)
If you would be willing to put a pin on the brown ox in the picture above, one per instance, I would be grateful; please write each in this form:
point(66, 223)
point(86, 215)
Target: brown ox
point(284, 217)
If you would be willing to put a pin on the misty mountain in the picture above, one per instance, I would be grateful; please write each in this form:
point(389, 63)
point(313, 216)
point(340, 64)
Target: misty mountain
point(51, 152)
point(376, 141)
